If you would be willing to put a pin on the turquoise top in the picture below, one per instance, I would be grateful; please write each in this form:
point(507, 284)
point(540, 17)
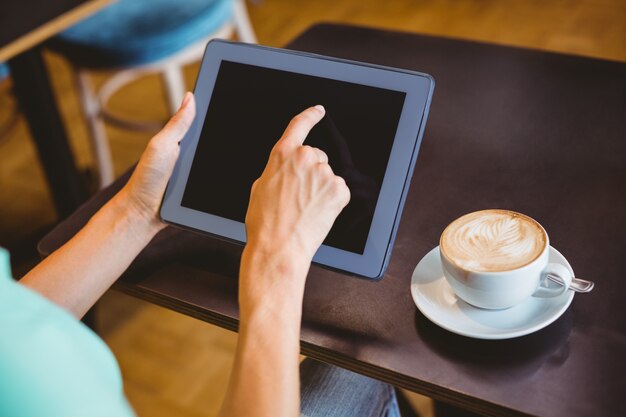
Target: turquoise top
point(50, 363)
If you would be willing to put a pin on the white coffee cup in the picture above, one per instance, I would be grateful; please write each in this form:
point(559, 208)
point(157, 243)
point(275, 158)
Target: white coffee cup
point(496, 259)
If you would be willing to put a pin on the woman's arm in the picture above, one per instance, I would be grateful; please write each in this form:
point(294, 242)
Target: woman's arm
point(76, 275)
point(292, 208)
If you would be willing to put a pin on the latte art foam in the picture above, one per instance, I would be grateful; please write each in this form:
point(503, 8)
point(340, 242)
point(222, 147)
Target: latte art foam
point(493, 240)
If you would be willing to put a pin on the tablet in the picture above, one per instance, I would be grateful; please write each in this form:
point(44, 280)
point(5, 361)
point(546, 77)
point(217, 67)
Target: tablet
point(245, 97)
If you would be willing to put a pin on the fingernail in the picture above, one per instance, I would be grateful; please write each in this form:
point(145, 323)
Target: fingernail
point(320, 108)
point(185, 99)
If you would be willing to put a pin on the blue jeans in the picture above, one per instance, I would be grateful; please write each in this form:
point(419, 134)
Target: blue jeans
point(328, 391)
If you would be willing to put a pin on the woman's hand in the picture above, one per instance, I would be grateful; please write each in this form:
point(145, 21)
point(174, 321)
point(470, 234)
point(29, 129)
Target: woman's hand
point(76, 275)
point(292, 207)
point(143, 193)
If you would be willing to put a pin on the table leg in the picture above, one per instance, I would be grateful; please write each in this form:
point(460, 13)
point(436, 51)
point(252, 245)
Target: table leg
point(35, 97)
point(34, 94)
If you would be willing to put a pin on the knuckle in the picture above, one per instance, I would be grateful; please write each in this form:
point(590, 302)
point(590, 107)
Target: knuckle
point(175, 120)
point(156, 145)
point(340, 182)
point(341, 189)
point(325, 170)
point(347, 196)
point(321, 154)
point(280, 151)
point(298, 119)
point(338, 185)
point(305, 154)
point(255, 188)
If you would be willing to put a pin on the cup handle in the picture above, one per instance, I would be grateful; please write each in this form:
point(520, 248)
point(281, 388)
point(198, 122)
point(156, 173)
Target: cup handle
point(548, 288)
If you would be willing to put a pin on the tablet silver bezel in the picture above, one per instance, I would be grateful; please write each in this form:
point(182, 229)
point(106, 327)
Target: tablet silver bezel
point(418, 88)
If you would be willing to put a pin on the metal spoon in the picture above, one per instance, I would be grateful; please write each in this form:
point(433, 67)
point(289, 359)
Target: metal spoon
point(578, 285)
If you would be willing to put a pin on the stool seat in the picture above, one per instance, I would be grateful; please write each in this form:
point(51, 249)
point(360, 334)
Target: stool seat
point(136, 32)
point(139, 37)
point(4, 70)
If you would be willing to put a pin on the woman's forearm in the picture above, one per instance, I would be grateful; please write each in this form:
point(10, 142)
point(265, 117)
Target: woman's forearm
point(265, 378)
point(80, 271)
point(292, 207)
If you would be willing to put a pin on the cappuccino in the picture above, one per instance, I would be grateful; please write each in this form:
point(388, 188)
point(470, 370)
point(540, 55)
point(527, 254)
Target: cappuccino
point(493, 241)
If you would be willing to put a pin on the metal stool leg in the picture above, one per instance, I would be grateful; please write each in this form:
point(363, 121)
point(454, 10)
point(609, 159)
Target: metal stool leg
point(242, 22)
point(98, 137)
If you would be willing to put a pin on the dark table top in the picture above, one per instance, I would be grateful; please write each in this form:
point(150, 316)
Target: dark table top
point(536, 132)
point(26, 23)
point(21, 17)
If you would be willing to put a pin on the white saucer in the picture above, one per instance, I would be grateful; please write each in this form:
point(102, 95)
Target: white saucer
point(435, 299)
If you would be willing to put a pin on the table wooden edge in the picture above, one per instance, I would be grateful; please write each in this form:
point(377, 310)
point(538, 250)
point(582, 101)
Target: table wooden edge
point(326, 355)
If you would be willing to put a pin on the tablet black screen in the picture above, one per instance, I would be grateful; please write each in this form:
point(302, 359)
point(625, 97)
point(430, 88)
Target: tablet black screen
point(249, 109)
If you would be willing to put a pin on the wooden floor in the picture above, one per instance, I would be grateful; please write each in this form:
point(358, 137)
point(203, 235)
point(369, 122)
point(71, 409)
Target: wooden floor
point(177, 366)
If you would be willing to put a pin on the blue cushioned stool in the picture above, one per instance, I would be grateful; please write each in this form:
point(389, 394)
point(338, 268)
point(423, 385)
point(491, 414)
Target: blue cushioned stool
point(10, 121)
point(4, 71)
point(137, 37)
